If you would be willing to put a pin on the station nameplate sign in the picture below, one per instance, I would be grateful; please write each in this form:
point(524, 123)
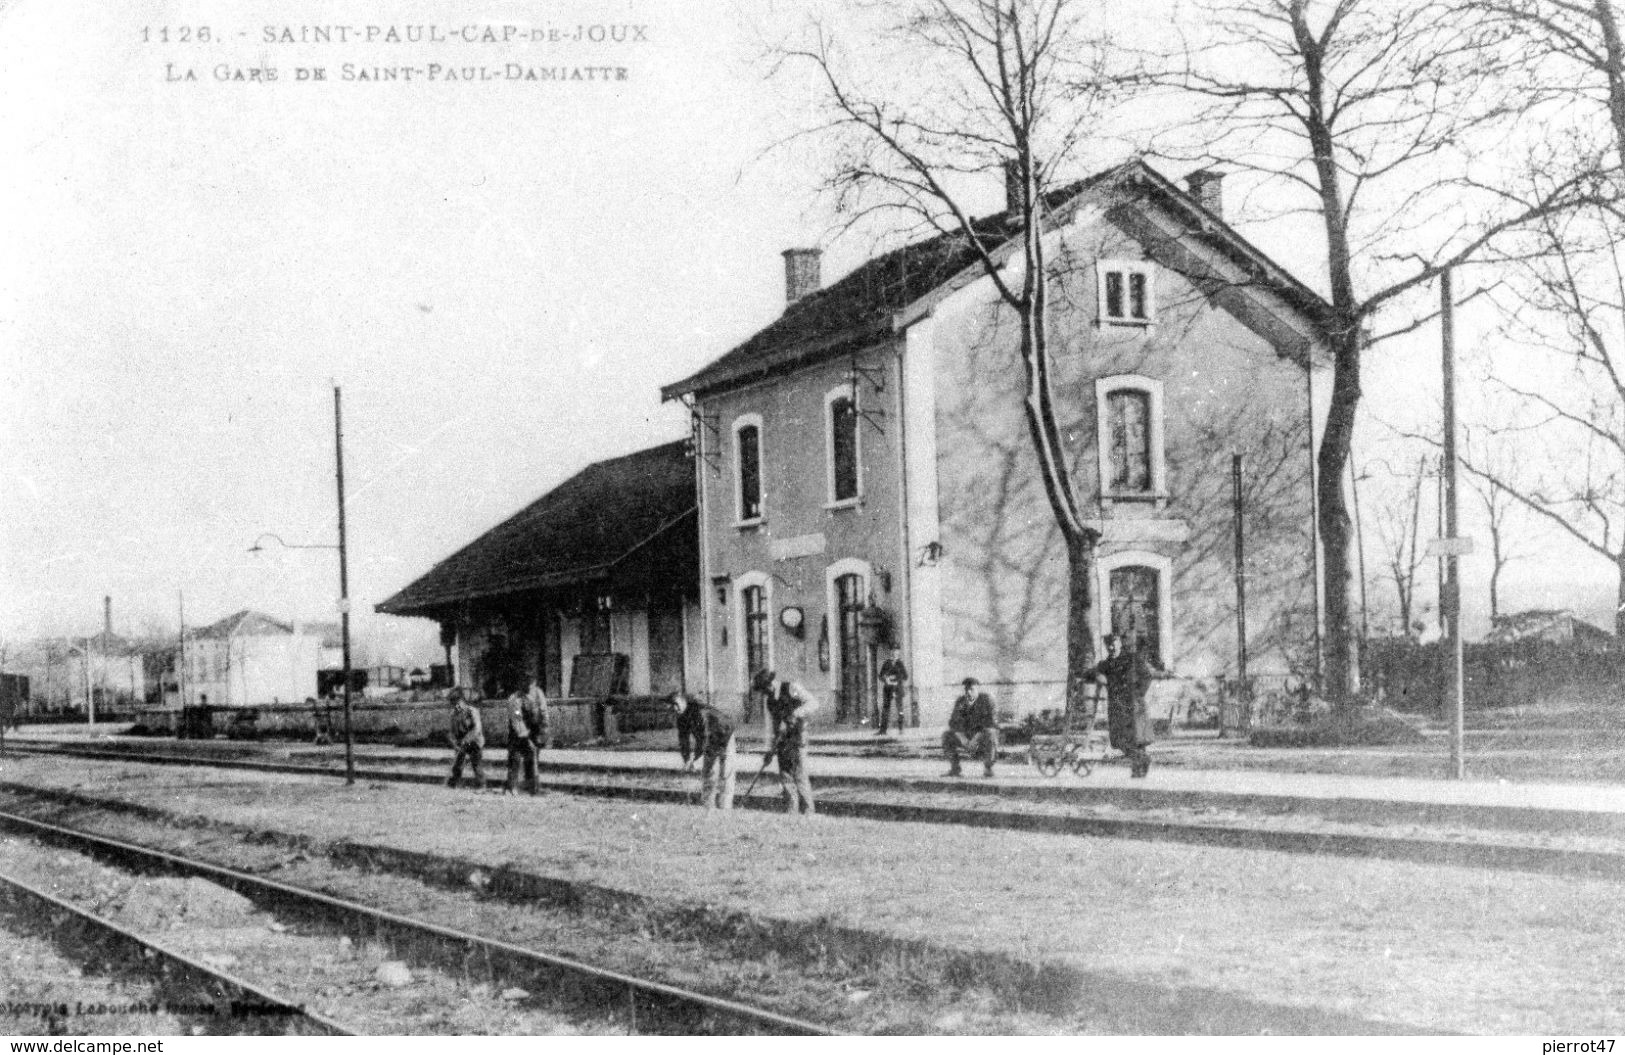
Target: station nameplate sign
point(796, 546)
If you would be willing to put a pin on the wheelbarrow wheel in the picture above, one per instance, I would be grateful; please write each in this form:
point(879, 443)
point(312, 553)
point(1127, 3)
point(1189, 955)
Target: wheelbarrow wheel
point(1045, 762)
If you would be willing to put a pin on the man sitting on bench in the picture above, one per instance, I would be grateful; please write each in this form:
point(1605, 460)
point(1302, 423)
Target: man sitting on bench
point(972, 727)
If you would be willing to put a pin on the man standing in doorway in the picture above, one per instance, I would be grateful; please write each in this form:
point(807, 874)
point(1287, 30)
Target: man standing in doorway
point(705, 732)
point(893, 691)
point(972, 727)
point(1127, 676)
point(788, 706)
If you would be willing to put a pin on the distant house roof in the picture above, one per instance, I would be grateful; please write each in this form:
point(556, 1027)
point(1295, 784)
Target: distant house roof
point(858, 311)
point(632, 512)
point(1546, 624)
point(244, 623)
point(332, 634)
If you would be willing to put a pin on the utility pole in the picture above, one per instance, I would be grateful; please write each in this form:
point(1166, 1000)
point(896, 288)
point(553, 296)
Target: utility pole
point(180, 662)
point(1239, 509)
point(1451, 599)
point(344, 586)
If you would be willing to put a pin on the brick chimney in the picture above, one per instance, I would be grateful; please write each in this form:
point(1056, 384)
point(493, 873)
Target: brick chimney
point(107, 617)
point(800, 273)
point(1207, 187)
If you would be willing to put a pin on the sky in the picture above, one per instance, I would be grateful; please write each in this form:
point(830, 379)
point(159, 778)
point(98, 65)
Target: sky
point(498, 275)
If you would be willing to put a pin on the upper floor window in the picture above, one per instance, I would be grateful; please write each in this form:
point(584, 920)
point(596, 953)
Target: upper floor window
point(1127, 292)
point(1128, 421)
point(841, 425)
point(748, 468)
point(1130, 435)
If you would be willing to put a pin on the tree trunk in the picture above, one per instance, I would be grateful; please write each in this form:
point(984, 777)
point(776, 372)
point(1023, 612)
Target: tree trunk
point(1619, 595)
point(1342, 669)
point(1080, 615)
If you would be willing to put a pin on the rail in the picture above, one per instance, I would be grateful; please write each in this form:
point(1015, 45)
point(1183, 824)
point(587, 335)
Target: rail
point(661, 1003)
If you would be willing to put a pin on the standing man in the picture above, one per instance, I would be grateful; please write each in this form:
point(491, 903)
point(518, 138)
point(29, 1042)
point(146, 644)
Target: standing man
point(972, 727)
point(788, 706)
point(467, 739)
point(538, 704)
point(1127, 676)
point(706, 732)
point(893, 690)
point(527, 730)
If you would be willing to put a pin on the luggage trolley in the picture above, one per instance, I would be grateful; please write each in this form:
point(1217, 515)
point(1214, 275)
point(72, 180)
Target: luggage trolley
point(1077, 745)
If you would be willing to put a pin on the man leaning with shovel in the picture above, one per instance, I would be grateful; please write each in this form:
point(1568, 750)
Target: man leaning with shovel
point(788, 706)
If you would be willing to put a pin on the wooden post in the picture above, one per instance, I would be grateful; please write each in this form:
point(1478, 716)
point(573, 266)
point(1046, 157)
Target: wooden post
point(1451, 597)
point(344, 587)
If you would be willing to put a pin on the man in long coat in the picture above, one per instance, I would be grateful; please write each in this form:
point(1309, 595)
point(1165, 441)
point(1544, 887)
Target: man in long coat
point(1127, 677)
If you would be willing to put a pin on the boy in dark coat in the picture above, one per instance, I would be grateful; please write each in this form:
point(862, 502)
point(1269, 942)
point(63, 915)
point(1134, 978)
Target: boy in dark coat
point(1126, 676)
point(972, 727)
point(467, 739)
point(893, 690)
point(706, 733)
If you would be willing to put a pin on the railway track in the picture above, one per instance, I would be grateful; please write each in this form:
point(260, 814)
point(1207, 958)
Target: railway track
point(217, 1000)
point(1479, 850)
point(645, 1005)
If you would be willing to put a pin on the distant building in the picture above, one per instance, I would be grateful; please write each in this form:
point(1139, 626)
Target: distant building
point(1554, 625)
point(249, 658)
point(72, 673)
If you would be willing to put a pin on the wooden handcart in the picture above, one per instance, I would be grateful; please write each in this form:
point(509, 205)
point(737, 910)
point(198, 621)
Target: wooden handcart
point(1077, 746)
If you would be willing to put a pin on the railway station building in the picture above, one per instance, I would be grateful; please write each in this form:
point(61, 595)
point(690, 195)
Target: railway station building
point(864, 475)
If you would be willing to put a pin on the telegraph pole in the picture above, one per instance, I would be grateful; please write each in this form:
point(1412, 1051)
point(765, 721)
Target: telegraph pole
point(180, 662)
point(1451, 599)
point(344, 586)
point(1241, 575)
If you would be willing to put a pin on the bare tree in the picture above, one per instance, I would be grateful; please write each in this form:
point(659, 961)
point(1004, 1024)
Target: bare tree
point(1399, 522)
point(1369, 118)
point(1500, 513)
point(1001, 86)
point(1565, 305)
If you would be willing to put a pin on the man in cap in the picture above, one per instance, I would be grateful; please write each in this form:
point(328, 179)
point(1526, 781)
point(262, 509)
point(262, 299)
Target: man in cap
point(972, 727)
point(788, 706)
point(467, 739)
point(705, 732)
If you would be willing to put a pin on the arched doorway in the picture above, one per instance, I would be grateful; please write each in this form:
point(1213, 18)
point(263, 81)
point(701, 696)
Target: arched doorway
point(852, 695)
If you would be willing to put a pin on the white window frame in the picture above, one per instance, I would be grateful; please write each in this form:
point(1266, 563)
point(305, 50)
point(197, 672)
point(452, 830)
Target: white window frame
point(740, 585)
point(845, 566)
point(1152, 388)
point(830, 501)
point(1126, 268)
point(1164, 567)
point(741, 423)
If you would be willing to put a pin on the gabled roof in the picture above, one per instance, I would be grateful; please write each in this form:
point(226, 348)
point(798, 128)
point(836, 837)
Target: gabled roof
point(859, 310)
point(245, 622)
point(604, 517)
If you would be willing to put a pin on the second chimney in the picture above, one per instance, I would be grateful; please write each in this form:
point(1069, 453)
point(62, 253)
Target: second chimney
point(1207, 187)
point(800, 273)
point(107, 617)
